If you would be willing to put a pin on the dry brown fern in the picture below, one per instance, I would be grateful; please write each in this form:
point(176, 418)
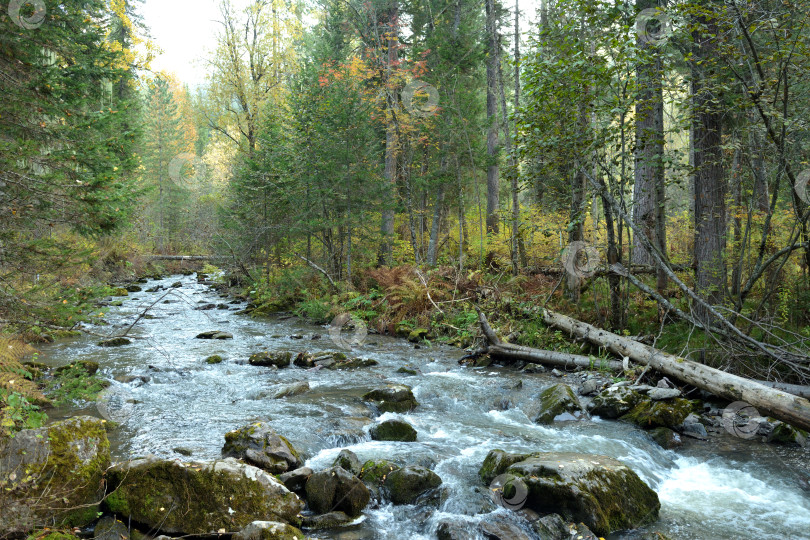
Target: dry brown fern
point(14, 377)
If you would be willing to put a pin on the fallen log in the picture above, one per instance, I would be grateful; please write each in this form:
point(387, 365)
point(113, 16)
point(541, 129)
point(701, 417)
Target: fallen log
point(789, 408)
point(500, 349)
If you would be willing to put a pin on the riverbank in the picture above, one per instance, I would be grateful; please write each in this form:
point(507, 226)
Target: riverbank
point(178, 406)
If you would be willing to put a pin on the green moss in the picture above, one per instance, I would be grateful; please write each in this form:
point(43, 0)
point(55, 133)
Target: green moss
point(375, 471)
point(76, 381)
point(652, 414)
point(52, 535)
point(556, 400)
point(214, 359)
point(496, 463)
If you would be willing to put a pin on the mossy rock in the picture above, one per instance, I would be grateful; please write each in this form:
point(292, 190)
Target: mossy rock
point(353, 363)
point(336, 489)
point(375, 471)
point(48, 534)
point(407, 371)
point(261, 446)
point(599, 491)
point(393, 430)
point(614, 402)
point(214, 359)
point(418, 334)
point(408, 484)
point(269, 530)
point(53, 474)
point(292, 389)
point(652, 414)
point(120, 291)
point(133, 288)
point(396, 398)
point(117, 303)
point(267, 359)
point(114, 342)
point(786, 434)
point(558, 402)
point(666, 438)
point(88, 367)
point(496, 463)
point(349, 461)
point(223, 494)
point(214, 334)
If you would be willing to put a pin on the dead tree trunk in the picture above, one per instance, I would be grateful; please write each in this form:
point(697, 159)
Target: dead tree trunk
point(779, 404)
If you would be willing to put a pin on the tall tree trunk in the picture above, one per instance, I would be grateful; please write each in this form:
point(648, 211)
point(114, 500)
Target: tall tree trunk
point(649, 166)
point(493, 58)
point(435, 227)
point(710, 181)
point(391, 142)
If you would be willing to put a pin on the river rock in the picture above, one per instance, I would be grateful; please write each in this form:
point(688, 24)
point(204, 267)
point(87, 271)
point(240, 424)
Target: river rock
point(269, 530)
point(502, 530)
point(558, 403)
point(52, 474)
point(329, 520)
point(666, 438)
point(337, 489)
point(290, 390)
point(110, 528)
point(783, 433)
point(551, 527)
point(418, 334)
point(120, 291)
point(614, 402)
point(349, 461)
point(214, 334)
point(408, 484)
point(393, 430)
point(214, 359)
point(114, 342)
point(397, 398)
point(650, 414)
point(660, 394)
point(693, 427)
point(213, 495)
point(352, 363)
point(296, 480)
point(455, 530)
point(496, 463)
point(590, 387)
point(87, 366)
point(375, 471)
point(260, 445)
point(600, 491)
point(133, 288)
point(266, 359)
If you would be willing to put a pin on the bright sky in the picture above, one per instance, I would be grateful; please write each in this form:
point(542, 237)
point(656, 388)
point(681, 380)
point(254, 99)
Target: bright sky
point(185, 31)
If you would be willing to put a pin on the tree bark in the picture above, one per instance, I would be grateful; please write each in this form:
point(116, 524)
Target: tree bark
point(391, 142)
point(493, 58)
point(710, 189)
point(779, 404)
point(649, 152)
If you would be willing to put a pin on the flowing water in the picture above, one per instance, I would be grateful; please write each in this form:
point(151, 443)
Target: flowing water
point(730, 489)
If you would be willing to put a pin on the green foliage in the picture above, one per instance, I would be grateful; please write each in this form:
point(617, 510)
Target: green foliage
point(18, 392)
point(314, 310)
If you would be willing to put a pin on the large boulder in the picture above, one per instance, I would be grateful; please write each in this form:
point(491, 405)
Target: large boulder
point(269, 530)
point(558, 403)
point(409, 484)
point(397, 398)
point(393, 430)
point(614, 402)
point(198, 497)
point(349, 461)
point(599, 491)
point(336, 489)
point(268, 359)
point(53, 474)
point(650, 414)
point(496, 463)
point(260, 445)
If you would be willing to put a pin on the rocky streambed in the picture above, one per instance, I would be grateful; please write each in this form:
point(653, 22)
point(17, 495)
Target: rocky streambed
point(223, 417)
